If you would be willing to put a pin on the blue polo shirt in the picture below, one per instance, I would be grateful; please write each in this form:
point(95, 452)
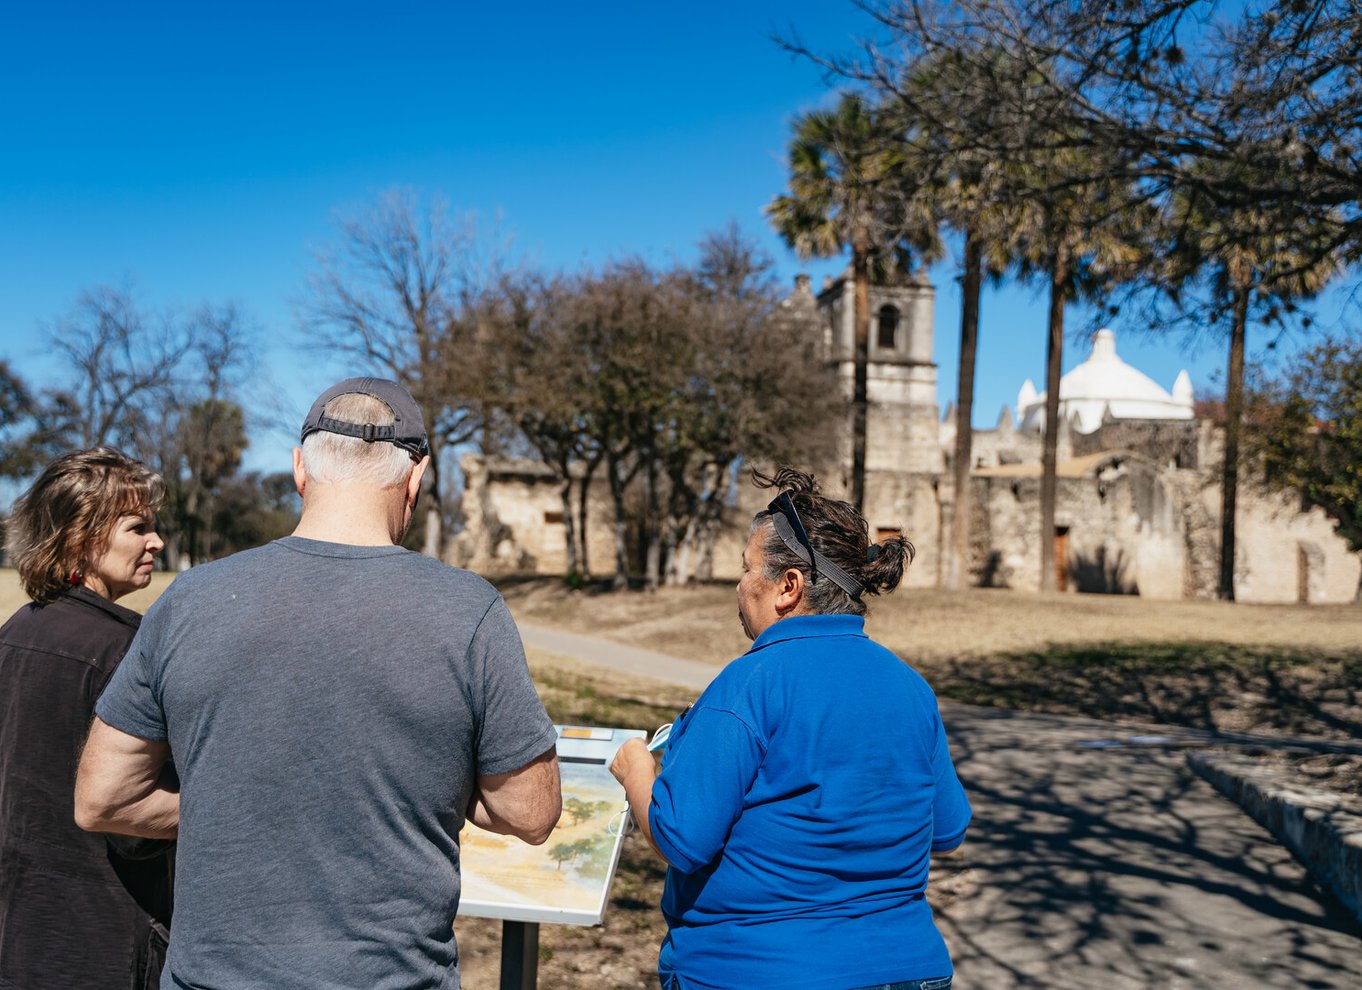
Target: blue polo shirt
point(798, 803)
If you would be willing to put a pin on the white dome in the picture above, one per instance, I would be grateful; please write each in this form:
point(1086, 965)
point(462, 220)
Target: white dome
point(1104, 383)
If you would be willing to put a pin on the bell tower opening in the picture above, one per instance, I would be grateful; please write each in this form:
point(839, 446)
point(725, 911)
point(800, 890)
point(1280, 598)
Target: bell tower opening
point(888, 334)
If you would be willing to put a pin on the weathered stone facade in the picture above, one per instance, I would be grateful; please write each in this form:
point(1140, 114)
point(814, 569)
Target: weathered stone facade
point(1138, 499)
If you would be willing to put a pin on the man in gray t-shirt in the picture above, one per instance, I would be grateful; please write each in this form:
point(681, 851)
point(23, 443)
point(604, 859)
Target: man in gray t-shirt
point(336, 706)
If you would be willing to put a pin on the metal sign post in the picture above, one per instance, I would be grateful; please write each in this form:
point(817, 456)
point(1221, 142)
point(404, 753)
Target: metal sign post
point(519, 955)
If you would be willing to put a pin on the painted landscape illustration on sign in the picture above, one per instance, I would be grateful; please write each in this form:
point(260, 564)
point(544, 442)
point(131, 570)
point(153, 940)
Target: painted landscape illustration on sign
point(571, 870)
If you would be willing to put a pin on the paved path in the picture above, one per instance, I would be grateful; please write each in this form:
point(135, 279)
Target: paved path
point(1097, 860)
point(630, 659)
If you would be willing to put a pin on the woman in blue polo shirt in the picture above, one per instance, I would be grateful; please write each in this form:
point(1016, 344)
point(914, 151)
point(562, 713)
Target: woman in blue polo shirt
point(801, 797)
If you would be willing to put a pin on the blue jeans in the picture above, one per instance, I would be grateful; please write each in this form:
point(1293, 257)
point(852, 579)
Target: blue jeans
point(938, 983)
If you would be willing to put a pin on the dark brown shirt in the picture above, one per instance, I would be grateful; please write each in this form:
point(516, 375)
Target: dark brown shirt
point(65, 919)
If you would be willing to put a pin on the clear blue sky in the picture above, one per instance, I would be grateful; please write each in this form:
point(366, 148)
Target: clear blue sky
point(200, 151)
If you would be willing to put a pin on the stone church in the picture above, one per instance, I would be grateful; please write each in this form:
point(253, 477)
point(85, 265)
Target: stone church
point(1138, 502)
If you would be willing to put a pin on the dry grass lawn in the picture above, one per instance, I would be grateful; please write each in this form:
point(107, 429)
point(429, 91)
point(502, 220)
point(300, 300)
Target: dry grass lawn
point(930, 626)
point(1284, 668)
point(12, 594)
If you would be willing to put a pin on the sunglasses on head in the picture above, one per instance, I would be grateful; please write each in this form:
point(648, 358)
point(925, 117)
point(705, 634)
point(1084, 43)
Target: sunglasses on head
point(783, 504)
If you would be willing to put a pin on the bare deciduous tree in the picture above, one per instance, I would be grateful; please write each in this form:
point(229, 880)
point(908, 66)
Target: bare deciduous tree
point(164, 387)
point(402, 292)
point(119, 358)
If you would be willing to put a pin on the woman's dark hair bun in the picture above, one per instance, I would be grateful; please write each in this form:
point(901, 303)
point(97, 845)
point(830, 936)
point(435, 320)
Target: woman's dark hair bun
point(840, 532)
point(885, 563)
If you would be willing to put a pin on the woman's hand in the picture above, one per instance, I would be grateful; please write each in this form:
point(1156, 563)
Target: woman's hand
point(633, 758)
point(635, 769)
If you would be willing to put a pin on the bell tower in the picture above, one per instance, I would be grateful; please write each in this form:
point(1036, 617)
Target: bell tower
point(902, 420)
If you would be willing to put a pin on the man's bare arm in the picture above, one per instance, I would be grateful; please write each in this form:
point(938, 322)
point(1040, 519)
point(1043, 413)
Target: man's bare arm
point(119, 787)
point(526, 803)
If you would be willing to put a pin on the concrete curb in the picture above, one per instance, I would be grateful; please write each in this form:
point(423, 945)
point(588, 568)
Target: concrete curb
point(1322, 829)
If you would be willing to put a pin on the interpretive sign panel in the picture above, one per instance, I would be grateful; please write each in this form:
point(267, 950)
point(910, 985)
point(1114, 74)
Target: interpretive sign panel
point(567, 879)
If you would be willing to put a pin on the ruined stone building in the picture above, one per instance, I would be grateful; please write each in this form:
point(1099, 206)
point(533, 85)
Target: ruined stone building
point(1138, 500)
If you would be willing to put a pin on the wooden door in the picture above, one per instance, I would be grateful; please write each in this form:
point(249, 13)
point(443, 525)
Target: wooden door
point(1061, 558)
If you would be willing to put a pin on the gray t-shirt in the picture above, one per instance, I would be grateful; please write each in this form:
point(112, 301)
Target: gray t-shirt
point(328, 708)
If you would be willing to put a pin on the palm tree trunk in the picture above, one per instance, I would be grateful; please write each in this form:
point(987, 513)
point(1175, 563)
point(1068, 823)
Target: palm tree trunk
point(1229, 472)
point(860, 270)
point(964, 409)
point(1054, 355)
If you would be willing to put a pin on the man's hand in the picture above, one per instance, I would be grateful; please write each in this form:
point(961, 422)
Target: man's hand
point(526, 803)
point(119, 787)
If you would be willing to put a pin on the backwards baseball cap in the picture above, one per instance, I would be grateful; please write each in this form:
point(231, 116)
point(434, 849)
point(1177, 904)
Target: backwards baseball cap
point(407, 430)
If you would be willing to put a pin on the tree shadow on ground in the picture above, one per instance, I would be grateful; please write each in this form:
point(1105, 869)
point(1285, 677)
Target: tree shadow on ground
point(1213, 686)
point(1116, 867)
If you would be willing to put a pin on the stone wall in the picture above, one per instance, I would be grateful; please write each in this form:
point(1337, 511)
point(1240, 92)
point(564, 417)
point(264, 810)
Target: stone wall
point(1132, 527)
point(1285, 555)
point(1168, 443)
point(1005, 444)
point(908, 503)
point(513, 520)
point(1122, 531)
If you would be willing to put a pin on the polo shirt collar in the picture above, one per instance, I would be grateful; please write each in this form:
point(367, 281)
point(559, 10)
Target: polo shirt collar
point(810, 627)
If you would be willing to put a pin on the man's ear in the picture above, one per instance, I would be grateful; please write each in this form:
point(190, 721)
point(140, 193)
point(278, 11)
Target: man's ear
point(414, 480)
point(299, 472)
point(789, 590)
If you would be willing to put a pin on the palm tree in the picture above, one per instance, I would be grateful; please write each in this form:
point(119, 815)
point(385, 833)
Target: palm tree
point(963, 187)
point(986, 223)
point(843, 164)
point(1247, 257)
point(1080, 234)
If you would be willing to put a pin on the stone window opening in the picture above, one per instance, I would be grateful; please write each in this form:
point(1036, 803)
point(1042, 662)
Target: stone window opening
point(887, 337)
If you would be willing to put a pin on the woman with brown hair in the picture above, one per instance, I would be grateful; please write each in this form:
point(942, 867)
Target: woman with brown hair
point(83, 536)
point(801, 796)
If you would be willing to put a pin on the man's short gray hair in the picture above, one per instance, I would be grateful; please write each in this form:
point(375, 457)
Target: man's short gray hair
point(330, 458)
